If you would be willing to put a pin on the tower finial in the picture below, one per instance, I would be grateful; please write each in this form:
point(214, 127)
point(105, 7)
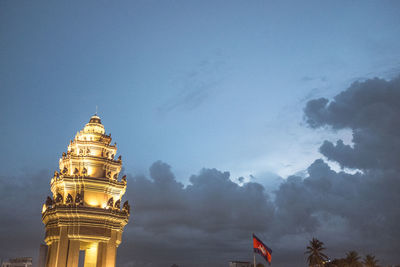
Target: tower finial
point(96, 110)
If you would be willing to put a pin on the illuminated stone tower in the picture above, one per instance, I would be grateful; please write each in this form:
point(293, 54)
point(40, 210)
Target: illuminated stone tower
point(84, 212)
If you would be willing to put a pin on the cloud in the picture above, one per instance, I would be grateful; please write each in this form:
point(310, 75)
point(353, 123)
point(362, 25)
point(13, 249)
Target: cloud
point(208, 222)
point(21, 229)
point(346, 210)
point(196, 86)
point(365, 200)
point(371, 110)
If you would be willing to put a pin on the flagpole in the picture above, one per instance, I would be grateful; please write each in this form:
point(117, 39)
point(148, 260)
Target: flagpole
point(254, 254)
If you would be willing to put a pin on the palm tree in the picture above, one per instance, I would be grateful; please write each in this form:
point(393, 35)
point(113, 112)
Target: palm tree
point(316, 257)
point(370, 261)
point(352, 259)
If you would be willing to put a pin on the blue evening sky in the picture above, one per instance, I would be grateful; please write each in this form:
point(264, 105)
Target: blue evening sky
point(192, 83)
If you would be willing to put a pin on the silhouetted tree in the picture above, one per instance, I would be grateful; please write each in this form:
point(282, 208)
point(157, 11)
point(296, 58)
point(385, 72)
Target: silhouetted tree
point(316, 257)
point(352, 259)
point(370, 261)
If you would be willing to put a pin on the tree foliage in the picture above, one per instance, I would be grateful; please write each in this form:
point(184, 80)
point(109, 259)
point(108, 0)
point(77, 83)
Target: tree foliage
point(353, 259)
point(370, 261)
point(316, 257)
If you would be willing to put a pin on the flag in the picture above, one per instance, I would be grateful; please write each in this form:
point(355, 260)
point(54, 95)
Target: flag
point(260, 248)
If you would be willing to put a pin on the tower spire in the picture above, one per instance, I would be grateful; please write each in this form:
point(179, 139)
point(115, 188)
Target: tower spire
point(85, 210)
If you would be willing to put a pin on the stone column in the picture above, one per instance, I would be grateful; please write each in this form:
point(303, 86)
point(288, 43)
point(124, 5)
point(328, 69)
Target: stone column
point(62, 248)
point(73, 253)
point(43, 252)
point(102, 254)
point(111, 249)
point(52, 254)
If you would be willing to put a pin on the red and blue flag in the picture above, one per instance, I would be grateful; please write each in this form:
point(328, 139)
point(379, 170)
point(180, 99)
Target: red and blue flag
point(260, 248)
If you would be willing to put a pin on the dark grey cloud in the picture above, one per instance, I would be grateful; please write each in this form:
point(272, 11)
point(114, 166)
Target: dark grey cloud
point(346, 210)
point(208, 222)
point(21, 229)
point(371, 110)
point(367, 200)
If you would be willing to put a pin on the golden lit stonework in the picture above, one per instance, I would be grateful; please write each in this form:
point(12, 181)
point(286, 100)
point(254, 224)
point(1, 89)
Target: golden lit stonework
point(85, 210)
